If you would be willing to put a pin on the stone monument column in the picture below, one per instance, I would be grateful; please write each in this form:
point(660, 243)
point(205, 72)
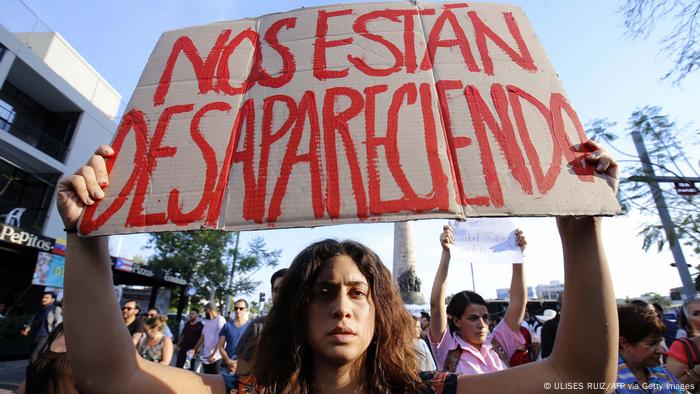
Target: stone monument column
point(404, 271)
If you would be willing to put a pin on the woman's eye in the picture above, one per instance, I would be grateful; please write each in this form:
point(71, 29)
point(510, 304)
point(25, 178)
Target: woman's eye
point(323, 293)
point(358, 293)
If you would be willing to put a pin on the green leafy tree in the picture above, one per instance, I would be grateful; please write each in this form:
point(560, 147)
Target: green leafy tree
point(656, 298)
point(199, 257)
point(204, 259)
point(682, 42)
point(245, 265)
point(666, 143)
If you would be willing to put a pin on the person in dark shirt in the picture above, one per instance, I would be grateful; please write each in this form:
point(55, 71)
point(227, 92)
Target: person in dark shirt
point(549, 332)
point(48, 317)
point(249, 340)
point(188, 338)
point(130, 313)
point(671, 325)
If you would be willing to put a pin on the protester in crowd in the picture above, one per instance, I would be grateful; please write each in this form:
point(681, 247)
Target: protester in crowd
point(526, 319)
point(540, 320)
point(683, 357)
point(683, 325)
point(532, 342)
point(658, 309)
point(130, 314)
point(426, 362)
point(549, 331)
point(547, 314)
point(339, 322)
point(639, 369)
point(643, 305)
point(189, 337)
point(460, 335)
point(524, 354)
point(425, 331)
point(45, 320)
point(210, 355)
point(51, 371)
point(154, 345)
point(153, 312)
point(671, 325)
point(248, 343)
point(425, 323)
point(231, 334)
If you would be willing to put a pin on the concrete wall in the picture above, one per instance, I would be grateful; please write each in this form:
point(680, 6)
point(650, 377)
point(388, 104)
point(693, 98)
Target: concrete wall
point(94, 127)
point(55, 51)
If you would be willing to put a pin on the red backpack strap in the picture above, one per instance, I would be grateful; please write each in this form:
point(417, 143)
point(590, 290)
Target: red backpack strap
point(696, 351)
point(691, 351)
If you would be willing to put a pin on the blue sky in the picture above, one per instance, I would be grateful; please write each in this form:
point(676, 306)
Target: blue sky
point(605, 73)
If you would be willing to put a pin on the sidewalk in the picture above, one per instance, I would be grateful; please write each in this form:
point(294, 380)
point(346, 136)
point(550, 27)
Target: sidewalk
point(11, 375)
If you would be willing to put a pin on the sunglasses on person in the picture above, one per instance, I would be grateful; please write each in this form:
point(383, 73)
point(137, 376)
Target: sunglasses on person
point(127, 308)
point(239, 308)
point(151, 315)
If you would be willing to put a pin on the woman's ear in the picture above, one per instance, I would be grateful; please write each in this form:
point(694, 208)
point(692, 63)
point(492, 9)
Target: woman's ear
point(455, 321)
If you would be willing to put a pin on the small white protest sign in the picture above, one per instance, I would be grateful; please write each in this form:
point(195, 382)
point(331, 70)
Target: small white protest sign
point(486, 240)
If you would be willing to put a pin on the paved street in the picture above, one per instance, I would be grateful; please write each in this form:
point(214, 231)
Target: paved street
point(11, 375)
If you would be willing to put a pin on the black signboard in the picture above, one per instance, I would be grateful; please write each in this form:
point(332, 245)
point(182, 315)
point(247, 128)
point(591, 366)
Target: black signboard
point(26, 238)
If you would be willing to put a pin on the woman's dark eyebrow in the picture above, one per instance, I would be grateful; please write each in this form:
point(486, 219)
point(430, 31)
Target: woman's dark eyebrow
point(328, 283)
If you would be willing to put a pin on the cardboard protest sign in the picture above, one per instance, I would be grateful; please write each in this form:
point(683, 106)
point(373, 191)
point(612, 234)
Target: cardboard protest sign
point(486, 240)
point(347, 113)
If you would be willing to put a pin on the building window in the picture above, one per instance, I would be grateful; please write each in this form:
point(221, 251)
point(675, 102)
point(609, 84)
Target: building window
point(2, 51)
point(25, 198)
point(21, 116)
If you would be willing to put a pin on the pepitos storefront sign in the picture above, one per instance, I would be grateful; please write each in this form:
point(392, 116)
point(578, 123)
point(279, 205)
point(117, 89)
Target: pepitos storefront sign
point(21, 237)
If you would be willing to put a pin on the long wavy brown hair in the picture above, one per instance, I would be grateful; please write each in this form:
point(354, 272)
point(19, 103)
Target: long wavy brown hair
point(283, 362)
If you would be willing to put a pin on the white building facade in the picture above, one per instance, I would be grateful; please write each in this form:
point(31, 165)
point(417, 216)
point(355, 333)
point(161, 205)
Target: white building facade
point(550, 291)
point(55, 109)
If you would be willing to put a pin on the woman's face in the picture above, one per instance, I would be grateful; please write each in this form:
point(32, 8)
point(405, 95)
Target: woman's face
point(152, 331)
point(340, 323)
point(473, 325)
point(419, 330)
point(647, 353)
point(694, 316)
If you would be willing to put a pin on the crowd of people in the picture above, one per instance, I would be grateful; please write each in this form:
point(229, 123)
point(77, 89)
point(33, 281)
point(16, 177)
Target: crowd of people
point(338, 325)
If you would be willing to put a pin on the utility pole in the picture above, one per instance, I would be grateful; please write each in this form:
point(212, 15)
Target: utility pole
point(229, 296)
point(678, 257)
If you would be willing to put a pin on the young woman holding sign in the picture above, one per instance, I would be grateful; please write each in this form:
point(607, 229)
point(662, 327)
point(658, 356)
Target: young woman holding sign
point(461, 341)
point(339, 325)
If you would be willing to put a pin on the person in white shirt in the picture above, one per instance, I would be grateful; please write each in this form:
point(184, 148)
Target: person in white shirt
point(210, 337)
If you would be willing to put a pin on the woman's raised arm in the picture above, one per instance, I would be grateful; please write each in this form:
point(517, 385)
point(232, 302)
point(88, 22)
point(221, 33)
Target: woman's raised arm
point(585, 350)
point(438, 322)
point(101, 352)
point(517, 302)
